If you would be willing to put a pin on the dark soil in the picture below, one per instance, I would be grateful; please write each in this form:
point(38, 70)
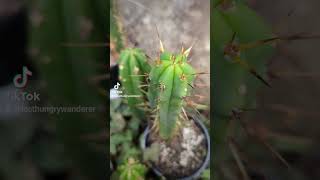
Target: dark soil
point(184, 154)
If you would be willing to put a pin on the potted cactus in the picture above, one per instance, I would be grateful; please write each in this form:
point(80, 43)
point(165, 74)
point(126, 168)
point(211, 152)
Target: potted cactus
point(159, 93)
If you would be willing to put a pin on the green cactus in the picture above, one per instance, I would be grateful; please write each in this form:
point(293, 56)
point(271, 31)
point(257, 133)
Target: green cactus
point(239, 66)
point(67, 72)
point(230, 77)
point(132, 170)
point(134, 70)
point(170, 81)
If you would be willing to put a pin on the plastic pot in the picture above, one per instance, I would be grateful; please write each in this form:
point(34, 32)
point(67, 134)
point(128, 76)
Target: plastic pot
point(196, 174)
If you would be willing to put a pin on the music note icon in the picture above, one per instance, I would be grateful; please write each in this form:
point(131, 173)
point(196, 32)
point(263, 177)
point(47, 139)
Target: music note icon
point(21, 80)
point(117, 86)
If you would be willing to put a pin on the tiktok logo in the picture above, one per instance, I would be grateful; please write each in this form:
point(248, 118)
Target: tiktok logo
point(21, 80)
point(116, 87)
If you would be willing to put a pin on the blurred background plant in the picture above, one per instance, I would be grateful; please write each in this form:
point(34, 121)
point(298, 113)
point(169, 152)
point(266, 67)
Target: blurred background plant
point(277, 137)
point(61, 42)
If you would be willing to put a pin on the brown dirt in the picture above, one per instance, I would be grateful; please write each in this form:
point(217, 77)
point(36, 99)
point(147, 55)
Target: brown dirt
point(184, 154)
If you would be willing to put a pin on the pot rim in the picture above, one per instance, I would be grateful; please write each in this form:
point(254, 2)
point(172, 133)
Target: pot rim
point(197, 173)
